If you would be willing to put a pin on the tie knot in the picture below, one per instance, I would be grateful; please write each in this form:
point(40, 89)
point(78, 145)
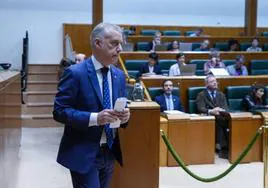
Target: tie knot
point(104, 71)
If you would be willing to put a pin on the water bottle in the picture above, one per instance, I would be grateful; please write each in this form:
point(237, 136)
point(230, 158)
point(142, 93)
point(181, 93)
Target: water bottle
point(137, 94)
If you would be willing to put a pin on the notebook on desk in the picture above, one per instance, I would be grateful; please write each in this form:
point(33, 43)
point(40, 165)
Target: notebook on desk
point(219, 72)
point(188, 70)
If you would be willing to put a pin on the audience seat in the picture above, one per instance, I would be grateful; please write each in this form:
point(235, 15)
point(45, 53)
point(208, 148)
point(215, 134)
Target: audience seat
point(259, 67)
point(265, 34)
point(199, 66)
point(142, 46)
point(228, 62)
point(126, 31)
point(171, 33)
point(235, 95)
point(244, 46)
point(156, 91)
point(221, 46)
point(148, 32)
point(265, 47)
point(133, 67)
point(188, 33)
point(196, 45)
point(192, 94)
point(165, 64)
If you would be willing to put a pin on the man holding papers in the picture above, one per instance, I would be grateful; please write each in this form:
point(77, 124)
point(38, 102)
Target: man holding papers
point(85, 102)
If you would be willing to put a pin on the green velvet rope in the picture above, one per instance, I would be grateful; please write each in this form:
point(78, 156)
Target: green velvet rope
point(207, 180)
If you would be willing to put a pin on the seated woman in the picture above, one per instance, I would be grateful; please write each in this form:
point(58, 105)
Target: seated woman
point(238, 69)
point(254, 46)
point(175, 69)
point(256, 99)
point(233, 45)
point(214, 62)
point(174, 47)
point(156, 41)
point(151, 67)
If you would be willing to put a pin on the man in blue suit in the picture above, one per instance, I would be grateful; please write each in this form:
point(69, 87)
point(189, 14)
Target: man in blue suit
point(84, 103)
point(167, 101)
point(151, 67)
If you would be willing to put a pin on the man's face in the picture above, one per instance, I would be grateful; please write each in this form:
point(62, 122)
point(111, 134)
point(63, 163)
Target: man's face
point(181, 60)
point(109, 47)
point(152, 62)
point(239, 63)
point(168, 87)
point(212, 83)
point(79, 58)
point(255, 43)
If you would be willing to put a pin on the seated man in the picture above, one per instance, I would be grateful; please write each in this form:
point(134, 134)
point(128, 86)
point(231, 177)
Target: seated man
point(79, 58)
point(204, 46)
point(214, 62)
point(254, 46)
point(174, 70)
point(150, 67)
point(213, 102)
point(167, 101)
point(238, 69)
point(233, 45)
point(156, 41)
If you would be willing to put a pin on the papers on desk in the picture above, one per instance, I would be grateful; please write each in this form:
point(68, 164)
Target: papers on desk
point(173, 112)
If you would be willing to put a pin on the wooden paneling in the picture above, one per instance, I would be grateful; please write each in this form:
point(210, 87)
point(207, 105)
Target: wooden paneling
point(97, 12)
point(10, 127)
point(243, 127)
point(195, 81)
point(193, 138)
point(80, 36)
point(251, 7)
point(140, 148)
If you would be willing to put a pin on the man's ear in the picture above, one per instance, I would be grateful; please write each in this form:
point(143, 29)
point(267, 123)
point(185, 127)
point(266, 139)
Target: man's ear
point(98, 43)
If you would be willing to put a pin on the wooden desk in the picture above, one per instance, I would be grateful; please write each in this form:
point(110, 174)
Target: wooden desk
point(10, 127)
point(242, 129)
point(163, 149)
point(196, 81)
point(140, 148)
point(193, 138)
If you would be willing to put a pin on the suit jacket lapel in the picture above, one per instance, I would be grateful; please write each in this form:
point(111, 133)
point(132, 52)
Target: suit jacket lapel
point(94, 79)
point(115, 84)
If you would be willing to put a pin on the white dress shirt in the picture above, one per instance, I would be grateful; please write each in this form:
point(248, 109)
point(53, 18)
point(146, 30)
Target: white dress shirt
point(151, 69)
point(169, 102)
point(94, 116)
point(174, 70)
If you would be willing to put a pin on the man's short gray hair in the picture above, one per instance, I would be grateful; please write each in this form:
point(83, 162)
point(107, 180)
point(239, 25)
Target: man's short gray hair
point(209, 76)
point(101, 30)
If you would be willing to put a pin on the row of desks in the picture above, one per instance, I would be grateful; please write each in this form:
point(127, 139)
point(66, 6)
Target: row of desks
point(194, 138)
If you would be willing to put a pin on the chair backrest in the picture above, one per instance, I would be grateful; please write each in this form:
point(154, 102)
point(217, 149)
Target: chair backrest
point(133, 67)
point(148, 32)
point(259, 67)
point(171, 33)
point(192, 94)
point(265, 34)
point(199, 66)
point(265, 47)
point(188, 33)
point(165, 64)
point(235, 95)
point(228, 62)
point(196, 45)
point(142, 46)
point(156, 91)
point(221, 46)
point(244, 46)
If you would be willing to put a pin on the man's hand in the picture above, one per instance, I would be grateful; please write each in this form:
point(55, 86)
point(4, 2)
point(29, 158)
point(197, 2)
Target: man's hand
point(107, 116)
point(124, 115)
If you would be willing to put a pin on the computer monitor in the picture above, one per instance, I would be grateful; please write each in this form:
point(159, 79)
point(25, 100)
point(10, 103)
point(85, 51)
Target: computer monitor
point(128, 47)
point(160, 47)
point(185, 46)
point(219, 72)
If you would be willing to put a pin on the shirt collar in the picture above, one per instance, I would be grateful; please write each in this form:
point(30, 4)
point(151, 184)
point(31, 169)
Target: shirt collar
point(97, 64)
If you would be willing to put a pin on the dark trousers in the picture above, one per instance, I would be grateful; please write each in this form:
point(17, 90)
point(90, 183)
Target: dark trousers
point(100, 175)
point(222, 131)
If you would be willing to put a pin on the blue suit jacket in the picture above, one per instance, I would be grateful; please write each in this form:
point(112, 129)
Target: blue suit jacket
point(163, 106)
point(145, 69)
point(78, 95)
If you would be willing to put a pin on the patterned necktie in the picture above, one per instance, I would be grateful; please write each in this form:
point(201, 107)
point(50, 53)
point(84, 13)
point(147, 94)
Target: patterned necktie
point(107, 105)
